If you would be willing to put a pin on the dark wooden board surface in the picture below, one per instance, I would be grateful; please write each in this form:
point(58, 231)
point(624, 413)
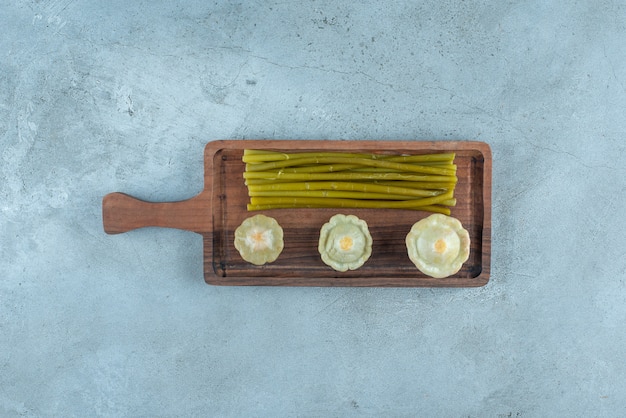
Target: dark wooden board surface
point(217, 211)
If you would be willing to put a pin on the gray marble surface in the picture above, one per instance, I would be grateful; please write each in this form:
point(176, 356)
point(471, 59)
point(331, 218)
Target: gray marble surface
point(97, 97)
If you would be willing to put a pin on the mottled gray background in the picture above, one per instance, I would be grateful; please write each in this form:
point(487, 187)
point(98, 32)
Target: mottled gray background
point(97, 97)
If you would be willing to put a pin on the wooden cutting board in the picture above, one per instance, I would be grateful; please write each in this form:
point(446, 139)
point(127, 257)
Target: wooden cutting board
point(221, 207)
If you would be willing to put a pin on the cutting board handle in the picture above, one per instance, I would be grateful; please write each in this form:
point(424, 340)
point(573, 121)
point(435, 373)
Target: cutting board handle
point(123, 213)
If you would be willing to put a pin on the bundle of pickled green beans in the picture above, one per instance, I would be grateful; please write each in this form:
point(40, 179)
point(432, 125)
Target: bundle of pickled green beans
point(350, 180)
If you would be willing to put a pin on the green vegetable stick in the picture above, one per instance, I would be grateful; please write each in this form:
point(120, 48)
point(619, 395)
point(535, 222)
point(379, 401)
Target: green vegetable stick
point(268, 155)
point(347, 186)
point(350, 203)
point(332, 194)
point(429, 208)
point(450, 167)
point(261, 157)
point(423, 158)
point(347, 176)
point(347, 160)
point(322, 168)
point(424, 185)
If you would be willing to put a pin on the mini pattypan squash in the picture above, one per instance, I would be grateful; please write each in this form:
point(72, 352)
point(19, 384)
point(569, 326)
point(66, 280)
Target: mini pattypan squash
point(438, 245)
point(259, 239)
point(345, 242)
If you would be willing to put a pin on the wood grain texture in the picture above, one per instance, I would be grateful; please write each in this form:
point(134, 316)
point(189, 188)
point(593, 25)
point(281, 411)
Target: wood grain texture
point(123, 213)
point(221, 207)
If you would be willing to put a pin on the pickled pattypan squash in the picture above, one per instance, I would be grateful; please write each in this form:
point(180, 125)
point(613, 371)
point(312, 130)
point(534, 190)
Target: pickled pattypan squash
point(438, 245)
point(345, 242)
point(259, 239)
